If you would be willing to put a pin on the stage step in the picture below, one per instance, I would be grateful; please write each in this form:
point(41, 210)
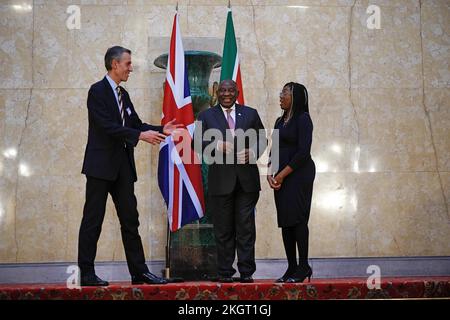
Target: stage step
point(345, 288)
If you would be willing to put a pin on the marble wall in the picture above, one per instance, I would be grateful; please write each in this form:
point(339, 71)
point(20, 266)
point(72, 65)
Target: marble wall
point(379, 99)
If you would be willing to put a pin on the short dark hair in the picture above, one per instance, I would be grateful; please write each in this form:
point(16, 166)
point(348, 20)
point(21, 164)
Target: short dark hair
point(114, 53)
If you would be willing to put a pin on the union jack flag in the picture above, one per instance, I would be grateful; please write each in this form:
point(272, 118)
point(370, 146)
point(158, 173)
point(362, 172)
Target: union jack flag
point(179, 177)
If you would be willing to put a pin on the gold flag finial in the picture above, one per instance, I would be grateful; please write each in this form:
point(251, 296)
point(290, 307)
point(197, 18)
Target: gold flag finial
point(229, 4)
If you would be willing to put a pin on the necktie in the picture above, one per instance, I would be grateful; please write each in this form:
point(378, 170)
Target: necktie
point(119, 95)
point(230, 121)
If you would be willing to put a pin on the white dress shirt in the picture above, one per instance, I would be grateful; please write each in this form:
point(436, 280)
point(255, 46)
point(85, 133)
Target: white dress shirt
point(114, 86)
point(232, 113)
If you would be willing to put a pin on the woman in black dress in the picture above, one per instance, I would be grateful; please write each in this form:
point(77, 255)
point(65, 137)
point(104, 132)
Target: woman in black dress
point(293, 182)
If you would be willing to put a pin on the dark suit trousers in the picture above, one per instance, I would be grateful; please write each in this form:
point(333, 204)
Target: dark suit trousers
point(234, 228)
point(122, 193)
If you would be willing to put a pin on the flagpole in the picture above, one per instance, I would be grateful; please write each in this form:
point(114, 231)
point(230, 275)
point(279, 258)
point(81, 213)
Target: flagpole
point(171, 181)
point(169, 233)
point(168, 238)
point(167, 270)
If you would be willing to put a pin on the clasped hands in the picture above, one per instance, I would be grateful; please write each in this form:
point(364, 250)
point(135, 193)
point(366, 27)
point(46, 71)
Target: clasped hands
point(154, 137)
point(243, 156)
point(275, 182)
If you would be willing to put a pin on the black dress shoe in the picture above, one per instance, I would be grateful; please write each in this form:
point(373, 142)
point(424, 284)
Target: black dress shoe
point(225, 279)
point(289, 273)
point(148, 278)
point(300, 275)
point(93, 281)
point(246, 279)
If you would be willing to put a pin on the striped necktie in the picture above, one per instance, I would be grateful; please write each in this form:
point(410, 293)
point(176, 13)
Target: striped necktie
point(122, 112)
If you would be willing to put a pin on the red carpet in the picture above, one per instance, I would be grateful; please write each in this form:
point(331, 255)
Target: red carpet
point(350, 288)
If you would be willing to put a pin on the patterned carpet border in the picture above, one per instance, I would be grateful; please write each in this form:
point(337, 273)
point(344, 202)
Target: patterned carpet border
point(351, 288)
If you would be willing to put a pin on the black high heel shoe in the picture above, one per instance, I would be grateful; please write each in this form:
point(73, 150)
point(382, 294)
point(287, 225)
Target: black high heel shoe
point(300, 275)
point(289, 273)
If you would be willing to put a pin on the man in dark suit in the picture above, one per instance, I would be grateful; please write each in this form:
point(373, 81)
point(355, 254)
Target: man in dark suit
point(233, 178)
point(114, 131)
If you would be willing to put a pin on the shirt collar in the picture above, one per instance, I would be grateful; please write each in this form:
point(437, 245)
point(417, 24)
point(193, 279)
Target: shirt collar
point(233, 107)
point(112, 83)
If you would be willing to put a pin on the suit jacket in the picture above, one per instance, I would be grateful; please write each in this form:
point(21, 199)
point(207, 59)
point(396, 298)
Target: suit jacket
point(222, 178)
point(107, 136)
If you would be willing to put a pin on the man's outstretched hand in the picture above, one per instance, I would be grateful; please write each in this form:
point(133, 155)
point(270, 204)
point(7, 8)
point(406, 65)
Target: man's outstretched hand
point(170, 127)
point(154, 137)
point(151, 136)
